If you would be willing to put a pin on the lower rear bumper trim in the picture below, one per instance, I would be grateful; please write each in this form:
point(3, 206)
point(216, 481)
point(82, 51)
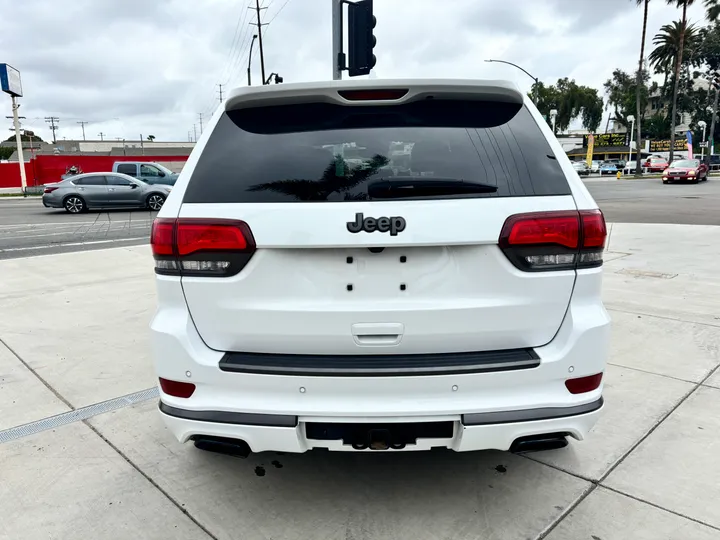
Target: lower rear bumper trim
point(224, 417)
point(529, 415)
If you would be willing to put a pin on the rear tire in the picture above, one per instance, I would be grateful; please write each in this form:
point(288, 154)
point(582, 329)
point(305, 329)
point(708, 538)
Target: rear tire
point(74, 204)
point(155, 201)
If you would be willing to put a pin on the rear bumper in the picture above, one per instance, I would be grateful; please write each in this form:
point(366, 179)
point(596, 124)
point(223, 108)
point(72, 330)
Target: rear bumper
point(502, 398)
point(284, 433)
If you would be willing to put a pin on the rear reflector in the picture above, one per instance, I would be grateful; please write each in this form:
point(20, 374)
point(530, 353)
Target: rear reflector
point(177, 388)
point(373, 95)
point(541, 241)
point(582, 385)
point(201, 247)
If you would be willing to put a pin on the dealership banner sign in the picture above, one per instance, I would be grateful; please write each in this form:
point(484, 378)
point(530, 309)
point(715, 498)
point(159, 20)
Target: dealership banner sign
point(664, 146)
point(607, 139)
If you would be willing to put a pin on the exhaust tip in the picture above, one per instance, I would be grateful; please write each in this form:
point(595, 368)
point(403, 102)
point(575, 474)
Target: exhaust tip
point(222, 445)
point(538, 443)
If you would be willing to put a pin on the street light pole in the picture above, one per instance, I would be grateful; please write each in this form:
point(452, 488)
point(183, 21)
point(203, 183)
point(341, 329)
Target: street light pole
point(703, 125)
point(250, 59)
point(632, 129)
point(553, 116)
point(537, 81)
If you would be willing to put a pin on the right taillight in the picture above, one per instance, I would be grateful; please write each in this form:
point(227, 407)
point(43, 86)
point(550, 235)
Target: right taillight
point(544, 241)
point(49, 189)
point(201, 247)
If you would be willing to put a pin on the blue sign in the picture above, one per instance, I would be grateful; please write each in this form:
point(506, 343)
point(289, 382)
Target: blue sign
point(10, 80)
point(689, 137)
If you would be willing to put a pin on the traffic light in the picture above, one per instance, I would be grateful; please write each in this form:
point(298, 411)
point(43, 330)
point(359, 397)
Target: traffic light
point(361, 40)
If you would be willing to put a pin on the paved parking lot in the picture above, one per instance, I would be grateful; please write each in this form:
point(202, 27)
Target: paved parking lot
point(83, 454)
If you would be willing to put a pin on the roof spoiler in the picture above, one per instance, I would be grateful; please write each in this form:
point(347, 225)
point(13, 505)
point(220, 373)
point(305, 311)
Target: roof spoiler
point(416, 90)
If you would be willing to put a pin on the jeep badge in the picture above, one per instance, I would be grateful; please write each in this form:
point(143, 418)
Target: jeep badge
point(393, 224)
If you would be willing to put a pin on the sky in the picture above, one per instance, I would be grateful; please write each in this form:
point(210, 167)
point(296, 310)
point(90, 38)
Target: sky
point(132, 67)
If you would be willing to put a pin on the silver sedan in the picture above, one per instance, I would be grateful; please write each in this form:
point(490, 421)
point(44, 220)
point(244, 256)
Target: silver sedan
point(104, 190)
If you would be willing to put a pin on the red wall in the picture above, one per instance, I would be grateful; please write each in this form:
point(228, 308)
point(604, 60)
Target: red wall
point(48, 169)
point(10, 174)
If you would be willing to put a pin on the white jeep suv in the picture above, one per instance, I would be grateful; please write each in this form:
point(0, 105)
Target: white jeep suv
point(379, 265)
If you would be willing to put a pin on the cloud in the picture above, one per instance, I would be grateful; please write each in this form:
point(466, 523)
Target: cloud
point(151, 66)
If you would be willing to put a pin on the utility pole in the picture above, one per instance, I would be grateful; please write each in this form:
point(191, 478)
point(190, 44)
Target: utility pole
point(83, 128)
point(52, 120)
point(195, 132)
point(200, 116)
point(142, 145)
point(18, 140)
point(101, 135)
point(220, 98)
point(257, 9)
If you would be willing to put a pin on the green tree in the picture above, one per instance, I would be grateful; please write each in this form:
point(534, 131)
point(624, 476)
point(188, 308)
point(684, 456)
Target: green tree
point(6, 152)
point(639, 107)
point(657, 126)
point(622, 93)
point(571, 101)
point(151, 138)
point(667, 44)
point(709, 57)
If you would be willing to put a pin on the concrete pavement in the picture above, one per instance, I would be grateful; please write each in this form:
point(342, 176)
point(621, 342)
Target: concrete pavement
point(75, 354)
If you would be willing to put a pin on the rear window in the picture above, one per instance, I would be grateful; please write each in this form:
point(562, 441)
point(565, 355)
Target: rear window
point(334, 153)
point(127, 169)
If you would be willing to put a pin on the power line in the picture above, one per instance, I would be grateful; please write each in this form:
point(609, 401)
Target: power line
point(278, 11)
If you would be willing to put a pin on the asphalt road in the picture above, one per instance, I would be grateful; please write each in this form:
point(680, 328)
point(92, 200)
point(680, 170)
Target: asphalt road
point(28, 229)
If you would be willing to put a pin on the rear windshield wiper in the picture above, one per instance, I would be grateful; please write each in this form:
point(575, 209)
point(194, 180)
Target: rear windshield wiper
point(400, 187)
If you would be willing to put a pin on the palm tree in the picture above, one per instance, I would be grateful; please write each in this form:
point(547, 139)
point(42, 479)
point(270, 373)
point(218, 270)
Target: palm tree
point(667, 44)
point(639, 82)
point(678, 62)
point(151, 138)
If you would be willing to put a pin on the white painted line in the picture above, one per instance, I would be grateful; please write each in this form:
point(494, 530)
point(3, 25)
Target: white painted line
point(72, 244)
point(52, 224)
point(70, 233)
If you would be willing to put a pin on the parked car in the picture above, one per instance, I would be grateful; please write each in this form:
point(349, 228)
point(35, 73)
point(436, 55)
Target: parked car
point(150, 173)
point(656, 164)
point(306, 303)
point(608, 167)
point(103, 190)
point(686, 170)
point(581, 167)
point(630, 166)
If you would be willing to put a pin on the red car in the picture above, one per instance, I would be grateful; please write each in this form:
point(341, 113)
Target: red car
point(692, 170)
point(656, 164)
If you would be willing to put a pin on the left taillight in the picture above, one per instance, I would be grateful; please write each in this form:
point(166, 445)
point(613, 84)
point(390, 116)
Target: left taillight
point(545, 241)
point(49, 189)
point(201, 247)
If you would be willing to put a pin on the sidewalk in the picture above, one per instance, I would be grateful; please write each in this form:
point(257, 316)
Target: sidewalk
point(75, 339)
